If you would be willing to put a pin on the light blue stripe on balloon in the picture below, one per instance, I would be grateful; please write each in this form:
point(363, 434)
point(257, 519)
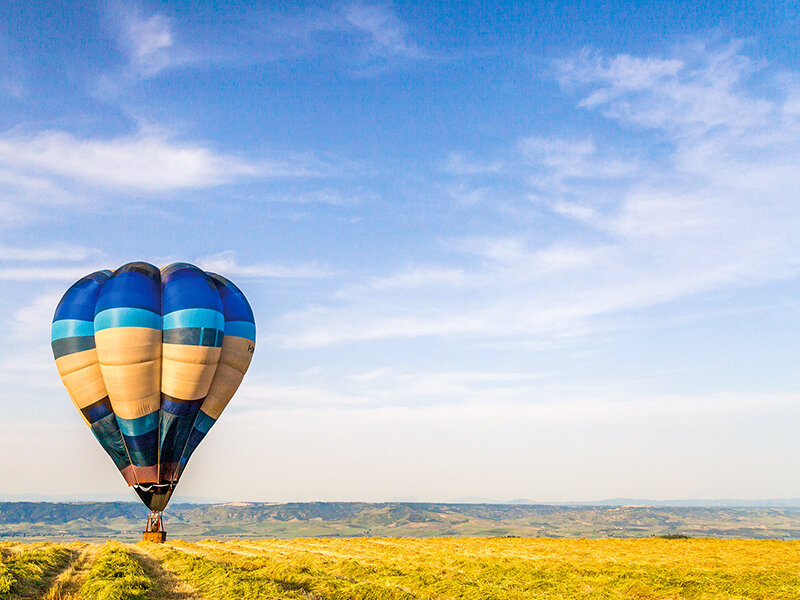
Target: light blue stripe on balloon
point(126, 317)
point(140, 425)
point(203, 422)
point(194, 317)
point(242, 329)
point(65, 328)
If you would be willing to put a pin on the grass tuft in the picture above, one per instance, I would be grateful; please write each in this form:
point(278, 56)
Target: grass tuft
point(115, 575)
point(25, 570)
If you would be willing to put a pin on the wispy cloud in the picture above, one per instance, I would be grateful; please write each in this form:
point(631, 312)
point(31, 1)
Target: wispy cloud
point(705, 198)
point(32, 322)
point(694, 94)
point(147, 42)
point(227, 263)
point(369, 38)
point(150, 160)
point(460, 164)
point(578, 159)
point(386, 386)
point(60, 253)
point(386, 33)
point(66, 275)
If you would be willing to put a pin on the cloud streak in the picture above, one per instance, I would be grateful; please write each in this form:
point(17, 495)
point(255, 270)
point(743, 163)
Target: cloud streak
point(227, 263)
point(148, 161)
point(387, 34)
point(717, 208)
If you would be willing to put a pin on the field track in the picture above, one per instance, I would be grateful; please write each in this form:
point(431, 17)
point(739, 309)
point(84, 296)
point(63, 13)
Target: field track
point(400, 569)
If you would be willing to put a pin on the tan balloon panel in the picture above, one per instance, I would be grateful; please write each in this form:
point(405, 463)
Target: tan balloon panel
point(80, 373)
point(127, 345)
point(187, 371)
point(233, 363)
point(130, 360)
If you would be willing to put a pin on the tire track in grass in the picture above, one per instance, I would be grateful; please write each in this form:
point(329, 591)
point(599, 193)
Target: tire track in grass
point(167, 586)
point(116, 575)
point(309, 578)
point(68, 582)
point(27, 572)
point(221, 580)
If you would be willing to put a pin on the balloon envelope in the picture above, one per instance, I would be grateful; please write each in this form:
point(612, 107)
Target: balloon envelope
point(151, 358)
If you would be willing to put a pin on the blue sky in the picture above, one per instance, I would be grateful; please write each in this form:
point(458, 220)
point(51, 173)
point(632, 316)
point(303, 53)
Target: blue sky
point(543, 251)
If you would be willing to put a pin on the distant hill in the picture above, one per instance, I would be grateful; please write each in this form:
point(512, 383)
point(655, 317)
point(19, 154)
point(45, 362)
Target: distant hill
point(93, 520)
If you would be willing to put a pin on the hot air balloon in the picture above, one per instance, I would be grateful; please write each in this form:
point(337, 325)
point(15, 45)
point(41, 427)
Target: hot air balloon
point(151, 358)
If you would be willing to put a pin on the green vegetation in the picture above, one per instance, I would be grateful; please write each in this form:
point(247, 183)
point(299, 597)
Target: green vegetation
point(26, 569)
point(402, 569)
point(478, 568)
point(115, 575)
point(94, 521)
point(221, 581)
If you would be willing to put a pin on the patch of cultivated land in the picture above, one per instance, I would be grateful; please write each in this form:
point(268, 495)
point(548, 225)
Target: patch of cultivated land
point(94, 521)
point(400, 568)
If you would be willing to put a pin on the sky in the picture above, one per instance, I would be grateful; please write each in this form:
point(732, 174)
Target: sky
point(544, 251)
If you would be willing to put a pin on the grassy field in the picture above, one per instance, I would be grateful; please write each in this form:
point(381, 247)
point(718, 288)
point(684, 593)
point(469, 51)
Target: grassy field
point(394, 568)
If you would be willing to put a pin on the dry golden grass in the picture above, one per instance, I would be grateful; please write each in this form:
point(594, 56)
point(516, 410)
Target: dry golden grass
point(477, 568)
point(442, 568)
point(27, 569)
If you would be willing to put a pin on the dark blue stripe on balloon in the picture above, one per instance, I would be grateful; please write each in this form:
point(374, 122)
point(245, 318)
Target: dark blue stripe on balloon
point(188, 336)
point(203, 422)
point(79, 300)
point(209, 337)
point(98, 410)
point(139, 425)
point(108, 434)
point(169, 271)
point(71, 345)
point(132, 288)
point(178, 407)
point(234, 305)
point(188, 287)
point(191, 445)
point(193, 336)
point(177, 419)
point(143, 449)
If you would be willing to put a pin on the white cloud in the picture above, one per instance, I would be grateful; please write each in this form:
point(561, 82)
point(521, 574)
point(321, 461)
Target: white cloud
point(147, 161)
point(147, 36)
point(147, 41)
point(32, 322)
point(706, 198)
point(68, 275)
point(460, 164)
point(376, 38)
point(62, 252)
point(574, 159)
point(703, 90)
point(386, 32)
point(226, 263)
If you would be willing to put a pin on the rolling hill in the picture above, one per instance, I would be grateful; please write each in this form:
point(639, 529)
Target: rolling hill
point(124, 520)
